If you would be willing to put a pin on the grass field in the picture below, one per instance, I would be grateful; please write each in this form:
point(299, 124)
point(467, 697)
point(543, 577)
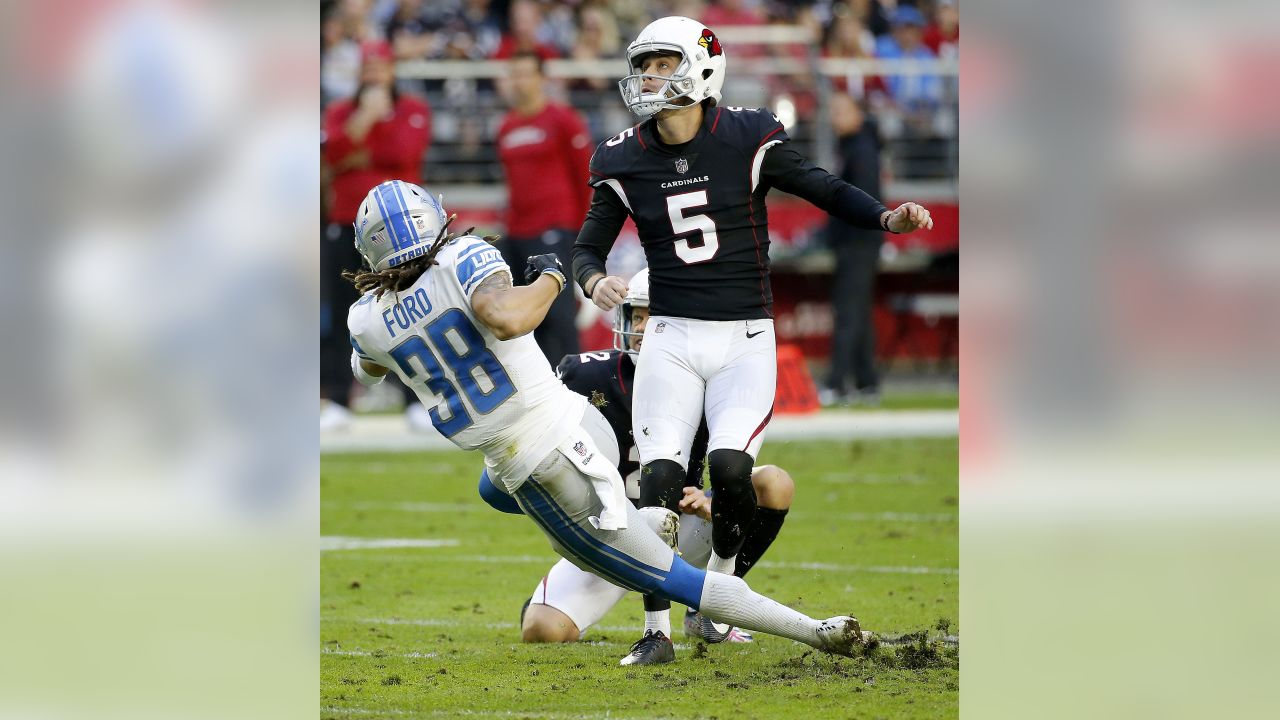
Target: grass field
point(431, 631)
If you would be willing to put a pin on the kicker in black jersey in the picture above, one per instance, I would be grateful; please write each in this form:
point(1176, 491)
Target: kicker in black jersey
point(605, 379)
point(700, 212)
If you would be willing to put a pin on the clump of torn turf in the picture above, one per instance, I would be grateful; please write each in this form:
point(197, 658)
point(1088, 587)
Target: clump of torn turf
point(917, 653)
point(820, 666)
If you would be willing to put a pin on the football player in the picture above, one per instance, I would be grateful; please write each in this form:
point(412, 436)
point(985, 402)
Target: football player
point(693, 175)
point(567, 601)
point(440, 311)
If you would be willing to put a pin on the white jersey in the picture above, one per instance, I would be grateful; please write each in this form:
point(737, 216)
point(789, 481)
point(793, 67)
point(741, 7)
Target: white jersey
point(499, 397)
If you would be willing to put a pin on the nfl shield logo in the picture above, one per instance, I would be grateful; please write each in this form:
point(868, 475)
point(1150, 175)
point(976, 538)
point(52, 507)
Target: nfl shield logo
point(580, 449)
point(682, 166)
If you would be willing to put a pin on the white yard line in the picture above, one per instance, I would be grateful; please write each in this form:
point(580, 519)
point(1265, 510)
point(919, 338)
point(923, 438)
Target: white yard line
point(857, 478)
point(335, 542)
point(901, 517)
point(548, 561)
point(415, 507)
point(390, 433)
point(877, 569)
point(479, 506)
point(378, 653)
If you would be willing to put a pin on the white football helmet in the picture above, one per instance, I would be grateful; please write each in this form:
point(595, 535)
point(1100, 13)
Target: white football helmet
point(637, 296)
point(699, 76)
point(397, 222)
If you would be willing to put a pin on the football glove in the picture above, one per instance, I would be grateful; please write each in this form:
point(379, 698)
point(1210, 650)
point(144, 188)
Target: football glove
point(544, 264)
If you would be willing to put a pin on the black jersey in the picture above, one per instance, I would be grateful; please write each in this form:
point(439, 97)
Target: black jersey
point(700, 212)
point(605, 379)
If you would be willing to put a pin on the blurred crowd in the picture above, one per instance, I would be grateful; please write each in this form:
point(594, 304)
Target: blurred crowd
point(589, 30)
point(534, 133)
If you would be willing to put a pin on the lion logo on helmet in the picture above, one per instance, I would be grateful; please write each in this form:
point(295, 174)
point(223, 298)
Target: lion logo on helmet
point(710, 42)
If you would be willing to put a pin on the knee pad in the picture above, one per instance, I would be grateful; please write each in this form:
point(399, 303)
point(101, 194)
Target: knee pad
point(662, 484)
point(731, 478)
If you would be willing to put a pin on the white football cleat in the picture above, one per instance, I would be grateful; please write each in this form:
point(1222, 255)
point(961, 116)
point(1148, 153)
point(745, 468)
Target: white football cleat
point(842, 635)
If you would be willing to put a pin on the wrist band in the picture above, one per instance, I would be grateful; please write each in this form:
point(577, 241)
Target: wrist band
point(558, 276)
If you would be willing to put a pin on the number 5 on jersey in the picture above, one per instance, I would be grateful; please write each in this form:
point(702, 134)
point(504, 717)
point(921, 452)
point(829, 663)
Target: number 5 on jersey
point(682, 224)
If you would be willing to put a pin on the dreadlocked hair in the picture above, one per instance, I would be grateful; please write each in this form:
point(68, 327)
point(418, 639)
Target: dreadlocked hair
point(402, 276)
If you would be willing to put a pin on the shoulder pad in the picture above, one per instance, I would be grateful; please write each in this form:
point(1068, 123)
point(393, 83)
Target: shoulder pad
point(358, 315)
point(471, 259)
point(753, 124)
point(615, 154)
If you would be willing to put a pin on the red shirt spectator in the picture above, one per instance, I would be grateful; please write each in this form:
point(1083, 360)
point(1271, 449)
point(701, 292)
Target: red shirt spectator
point(510, 45)
point(545, 156)
point(525, 22)
point(730, 12)
point(943, 35)
point(377, 135)
point(545, 150)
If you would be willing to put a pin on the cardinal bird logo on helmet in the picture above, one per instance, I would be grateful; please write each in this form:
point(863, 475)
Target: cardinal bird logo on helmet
point(710, 42)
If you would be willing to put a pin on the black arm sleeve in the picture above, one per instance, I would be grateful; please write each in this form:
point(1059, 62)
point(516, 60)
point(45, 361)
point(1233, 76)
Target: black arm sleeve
point(599, 232)
point(785, 169)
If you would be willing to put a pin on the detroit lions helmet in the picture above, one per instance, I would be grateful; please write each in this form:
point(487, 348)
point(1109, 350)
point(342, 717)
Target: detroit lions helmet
point(397, 222)
point(637, 296)
point(699, 76)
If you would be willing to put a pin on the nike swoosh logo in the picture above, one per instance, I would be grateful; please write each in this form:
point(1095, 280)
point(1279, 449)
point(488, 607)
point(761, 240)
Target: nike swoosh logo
point(751, 335)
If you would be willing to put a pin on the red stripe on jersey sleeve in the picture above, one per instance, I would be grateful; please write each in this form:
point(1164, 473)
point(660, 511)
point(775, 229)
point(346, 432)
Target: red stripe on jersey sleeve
point(766, 138)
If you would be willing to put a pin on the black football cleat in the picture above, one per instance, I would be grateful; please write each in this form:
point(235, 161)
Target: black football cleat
point(654, 648)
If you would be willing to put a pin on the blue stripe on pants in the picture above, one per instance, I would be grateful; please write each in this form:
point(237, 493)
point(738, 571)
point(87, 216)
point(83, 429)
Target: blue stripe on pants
point(682, 583)
point(496, 498)
point(550, 527)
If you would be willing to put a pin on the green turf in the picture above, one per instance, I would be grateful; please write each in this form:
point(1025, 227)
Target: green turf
point(431, 632)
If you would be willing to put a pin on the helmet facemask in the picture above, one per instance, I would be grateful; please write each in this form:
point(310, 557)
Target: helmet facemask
point(637, 296)
point(680, 84)
point(623, 333)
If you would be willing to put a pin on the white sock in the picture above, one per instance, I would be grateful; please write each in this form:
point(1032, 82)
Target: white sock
point(721, 565)
point(658, 620)
point(727, 599)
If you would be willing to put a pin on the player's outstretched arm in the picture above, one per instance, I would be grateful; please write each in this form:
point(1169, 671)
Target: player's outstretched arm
point(514, 311)
point(787, 170)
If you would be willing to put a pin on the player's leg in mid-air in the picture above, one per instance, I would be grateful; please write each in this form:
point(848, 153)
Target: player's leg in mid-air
point(560, 500)
point(567, 600)
point(774, 491)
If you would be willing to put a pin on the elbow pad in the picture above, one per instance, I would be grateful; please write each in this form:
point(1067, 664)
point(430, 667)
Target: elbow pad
point(358, 370)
